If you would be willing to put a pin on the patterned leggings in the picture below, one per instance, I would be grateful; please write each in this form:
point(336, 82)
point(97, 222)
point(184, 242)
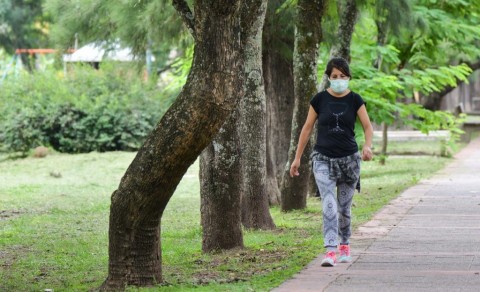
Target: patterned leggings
point(336, 207)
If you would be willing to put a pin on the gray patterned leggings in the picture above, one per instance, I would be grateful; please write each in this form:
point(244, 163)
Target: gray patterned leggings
point(336, 207)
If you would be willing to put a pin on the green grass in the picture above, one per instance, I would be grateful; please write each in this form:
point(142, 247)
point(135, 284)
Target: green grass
point(416, 147)
point(54, 231)
point(413, 148)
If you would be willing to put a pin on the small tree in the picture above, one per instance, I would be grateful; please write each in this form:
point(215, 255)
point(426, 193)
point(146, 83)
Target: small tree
point(407, 60)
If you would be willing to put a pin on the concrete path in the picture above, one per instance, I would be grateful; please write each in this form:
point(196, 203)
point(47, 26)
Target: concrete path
point(428, 239)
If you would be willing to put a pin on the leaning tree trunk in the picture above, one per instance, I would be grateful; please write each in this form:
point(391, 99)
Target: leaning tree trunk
point(348, 11)
point(222, 182)
point(278, 43)
point(307, 40)
point(211, 93)
point(255, 206)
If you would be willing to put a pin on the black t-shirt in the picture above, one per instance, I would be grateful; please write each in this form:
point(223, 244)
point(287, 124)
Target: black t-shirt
point(336, 123)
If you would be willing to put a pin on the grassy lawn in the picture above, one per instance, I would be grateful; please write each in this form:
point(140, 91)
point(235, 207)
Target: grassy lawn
point(54, 226)
point(414, 147)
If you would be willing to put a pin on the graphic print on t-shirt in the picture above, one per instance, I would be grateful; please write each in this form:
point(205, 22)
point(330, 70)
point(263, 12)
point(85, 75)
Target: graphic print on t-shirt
point(337, 109)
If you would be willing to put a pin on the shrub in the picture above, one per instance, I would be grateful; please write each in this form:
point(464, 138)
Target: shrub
point(105, 110)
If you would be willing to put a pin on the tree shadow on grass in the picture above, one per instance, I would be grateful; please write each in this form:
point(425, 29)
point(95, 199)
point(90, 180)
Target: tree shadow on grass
point(12, 156)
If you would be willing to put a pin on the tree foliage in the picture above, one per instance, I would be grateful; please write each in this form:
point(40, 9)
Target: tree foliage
point(447, 32)
point(23, 24)
point(141, 25)
point(417, 60)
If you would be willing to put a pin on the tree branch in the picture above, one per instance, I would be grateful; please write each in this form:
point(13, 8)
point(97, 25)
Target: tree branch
point(186, 14)
point(473, 66)
point(433, 100)
point(448, 89)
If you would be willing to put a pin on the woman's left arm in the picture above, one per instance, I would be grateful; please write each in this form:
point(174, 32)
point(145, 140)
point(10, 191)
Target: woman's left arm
point(368, 130)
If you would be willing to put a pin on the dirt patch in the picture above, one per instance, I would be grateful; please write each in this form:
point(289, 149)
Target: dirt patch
point(10, 214)
point(10, 254)
point(237, 266)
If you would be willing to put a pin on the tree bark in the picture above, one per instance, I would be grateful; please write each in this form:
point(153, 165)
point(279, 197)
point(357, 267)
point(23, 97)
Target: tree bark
point(278, 44)
point(234, 173)
point(348, 19)
point(255, 205)
point(211, 93)
point(221, 189)
point(382, 32)
point(383, 155)
point(307, 40)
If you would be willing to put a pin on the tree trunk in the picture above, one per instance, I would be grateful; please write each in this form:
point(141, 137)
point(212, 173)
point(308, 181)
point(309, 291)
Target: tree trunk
point(278, 42)
point(382, 32)
point(307, 40)
point(27, 61)
point(221, 190)
point(255, 206)
point(348, 12)
point(26, 58)
point(383, 156)
point(348, 19)
point(211, 93)
point(223, 185)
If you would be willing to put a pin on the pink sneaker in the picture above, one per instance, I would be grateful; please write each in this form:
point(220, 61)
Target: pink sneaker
point(329, 260)
point(344, 254)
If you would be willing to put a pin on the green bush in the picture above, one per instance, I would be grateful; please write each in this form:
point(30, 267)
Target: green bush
point(105, 110)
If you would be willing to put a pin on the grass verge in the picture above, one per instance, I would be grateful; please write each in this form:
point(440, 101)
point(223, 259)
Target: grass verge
point(54, 226)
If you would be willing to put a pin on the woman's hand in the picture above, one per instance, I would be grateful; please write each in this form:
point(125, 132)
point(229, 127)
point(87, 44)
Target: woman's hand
point(294, 168)
point(366, 154)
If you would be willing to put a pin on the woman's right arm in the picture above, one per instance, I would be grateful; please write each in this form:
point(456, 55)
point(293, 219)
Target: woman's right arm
point(303, 140)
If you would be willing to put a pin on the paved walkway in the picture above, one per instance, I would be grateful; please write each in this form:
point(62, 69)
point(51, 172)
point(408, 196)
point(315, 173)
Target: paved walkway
point(428, 239)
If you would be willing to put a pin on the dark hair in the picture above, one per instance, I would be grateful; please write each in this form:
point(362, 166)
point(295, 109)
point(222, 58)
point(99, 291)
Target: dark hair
point(339, 63)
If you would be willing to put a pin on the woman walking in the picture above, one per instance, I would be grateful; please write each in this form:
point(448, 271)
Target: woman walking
point(336, 158)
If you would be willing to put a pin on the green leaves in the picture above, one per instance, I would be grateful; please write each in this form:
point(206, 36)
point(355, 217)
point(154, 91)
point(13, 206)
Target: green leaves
point(90, 111)
point(141, 25)
point(382, 90)
point(450, 33)
point(419, 60)
point(22, 25)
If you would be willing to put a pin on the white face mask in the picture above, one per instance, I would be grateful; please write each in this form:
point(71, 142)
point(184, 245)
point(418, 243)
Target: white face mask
point(339, 85)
